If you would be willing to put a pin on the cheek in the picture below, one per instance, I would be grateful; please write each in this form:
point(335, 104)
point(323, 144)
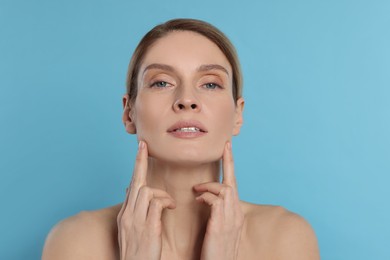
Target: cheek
point(224, 118)
point(146, 117)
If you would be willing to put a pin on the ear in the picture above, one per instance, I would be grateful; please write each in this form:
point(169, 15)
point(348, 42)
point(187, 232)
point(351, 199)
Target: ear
point(127, 117)
point(238, 118)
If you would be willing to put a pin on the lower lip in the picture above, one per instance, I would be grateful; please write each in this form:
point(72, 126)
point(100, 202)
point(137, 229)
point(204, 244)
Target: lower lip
point(187, 135)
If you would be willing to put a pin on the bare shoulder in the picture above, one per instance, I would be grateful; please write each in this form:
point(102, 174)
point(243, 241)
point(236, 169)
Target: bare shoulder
point(87, 235)
point(277, 233)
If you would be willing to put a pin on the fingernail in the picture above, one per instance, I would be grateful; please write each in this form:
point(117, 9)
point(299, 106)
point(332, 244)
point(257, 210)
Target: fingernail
point(141, 145)
point(229, 145)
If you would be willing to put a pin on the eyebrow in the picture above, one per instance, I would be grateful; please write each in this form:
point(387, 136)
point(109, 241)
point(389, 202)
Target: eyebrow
point(208, 67)
point(159, 66)
point(202, 68)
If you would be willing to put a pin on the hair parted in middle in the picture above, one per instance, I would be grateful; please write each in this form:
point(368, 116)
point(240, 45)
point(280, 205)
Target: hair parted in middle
point(192, 25)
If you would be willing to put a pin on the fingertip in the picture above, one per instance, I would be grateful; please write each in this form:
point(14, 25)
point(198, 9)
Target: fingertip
point(199, 199)
point(228, 150)
point(141, 145)
point(229, 146)
point(228, 165)
point(199, 187)
point(171, 207)
point(143, 149)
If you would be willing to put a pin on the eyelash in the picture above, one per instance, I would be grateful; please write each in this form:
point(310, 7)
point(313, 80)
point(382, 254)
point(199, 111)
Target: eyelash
point(215, 86)
point(155, 85)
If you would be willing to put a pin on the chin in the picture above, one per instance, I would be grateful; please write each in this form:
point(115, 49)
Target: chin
point(187, 157)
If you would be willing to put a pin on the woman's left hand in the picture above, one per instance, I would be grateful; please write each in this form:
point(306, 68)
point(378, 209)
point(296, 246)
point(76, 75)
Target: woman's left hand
point(226, 220)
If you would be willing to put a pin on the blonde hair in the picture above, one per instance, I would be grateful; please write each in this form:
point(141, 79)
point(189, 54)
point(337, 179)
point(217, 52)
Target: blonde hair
point(193, 25)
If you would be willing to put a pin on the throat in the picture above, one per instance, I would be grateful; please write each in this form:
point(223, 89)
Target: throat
point(183, 231)
point(184, 227)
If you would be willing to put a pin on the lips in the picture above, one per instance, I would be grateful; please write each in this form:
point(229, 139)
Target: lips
point(191, 126)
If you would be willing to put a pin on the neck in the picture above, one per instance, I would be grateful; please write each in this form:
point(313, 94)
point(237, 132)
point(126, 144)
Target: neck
point(183, 227)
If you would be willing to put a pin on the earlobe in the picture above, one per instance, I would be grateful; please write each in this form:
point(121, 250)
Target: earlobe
point(127, 115)
point(238, 116)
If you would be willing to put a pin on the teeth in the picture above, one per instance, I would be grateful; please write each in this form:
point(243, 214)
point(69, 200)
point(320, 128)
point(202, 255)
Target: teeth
point(187, 129)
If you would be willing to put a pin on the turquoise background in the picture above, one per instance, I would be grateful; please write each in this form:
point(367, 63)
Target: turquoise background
point(316, 134)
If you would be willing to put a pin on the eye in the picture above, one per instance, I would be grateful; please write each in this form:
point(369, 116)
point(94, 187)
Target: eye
point(160, 84)
point(211, 86)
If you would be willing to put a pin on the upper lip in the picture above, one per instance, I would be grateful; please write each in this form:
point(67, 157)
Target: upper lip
point(187, 123)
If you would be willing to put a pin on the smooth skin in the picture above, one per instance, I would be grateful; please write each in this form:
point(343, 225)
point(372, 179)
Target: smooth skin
point(250, 231)
point(175, 207)
point(139, 220)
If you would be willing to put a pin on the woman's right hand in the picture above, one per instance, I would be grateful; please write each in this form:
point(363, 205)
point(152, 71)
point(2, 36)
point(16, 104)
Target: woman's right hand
point(139, 220)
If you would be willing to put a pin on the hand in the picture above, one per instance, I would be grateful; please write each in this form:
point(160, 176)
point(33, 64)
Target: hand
point(226, 220)
point(139, 220)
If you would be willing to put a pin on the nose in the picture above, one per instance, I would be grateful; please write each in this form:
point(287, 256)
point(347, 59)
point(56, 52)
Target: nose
point(186, 101)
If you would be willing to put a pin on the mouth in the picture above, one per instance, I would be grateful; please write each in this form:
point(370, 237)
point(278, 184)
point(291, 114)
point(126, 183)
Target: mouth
point(187, 127)
point(191, 129)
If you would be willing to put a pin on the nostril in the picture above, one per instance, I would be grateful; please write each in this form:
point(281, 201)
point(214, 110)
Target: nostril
point(193, 106)
point(181, 106)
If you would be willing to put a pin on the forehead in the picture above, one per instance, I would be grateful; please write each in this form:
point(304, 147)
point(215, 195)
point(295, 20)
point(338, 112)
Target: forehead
point(185, 50)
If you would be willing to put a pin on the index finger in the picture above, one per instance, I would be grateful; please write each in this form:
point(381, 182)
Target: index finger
point(228, 166)
point(140, 166)
point(138, 180)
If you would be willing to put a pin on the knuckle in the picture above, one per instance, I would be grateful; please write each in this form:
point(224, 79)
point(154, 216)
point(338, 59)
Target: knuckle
point(226, 190)
point(123, 223)
point(135, 184)
point(229, 189)
point(217, 202)
point(132, 184)
point(136, 179)
point(139, 224)
point(145, 191)
point(119, 220)
point(156, 203)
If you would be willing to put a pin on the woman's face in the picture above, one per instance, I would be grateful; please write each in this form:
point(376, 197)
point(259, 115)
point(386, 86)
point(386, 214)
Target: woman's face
point(184, 109)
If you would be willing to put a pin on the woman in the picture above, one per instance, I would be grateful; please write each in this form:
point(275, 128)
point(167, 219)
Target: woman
point(184, 103)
